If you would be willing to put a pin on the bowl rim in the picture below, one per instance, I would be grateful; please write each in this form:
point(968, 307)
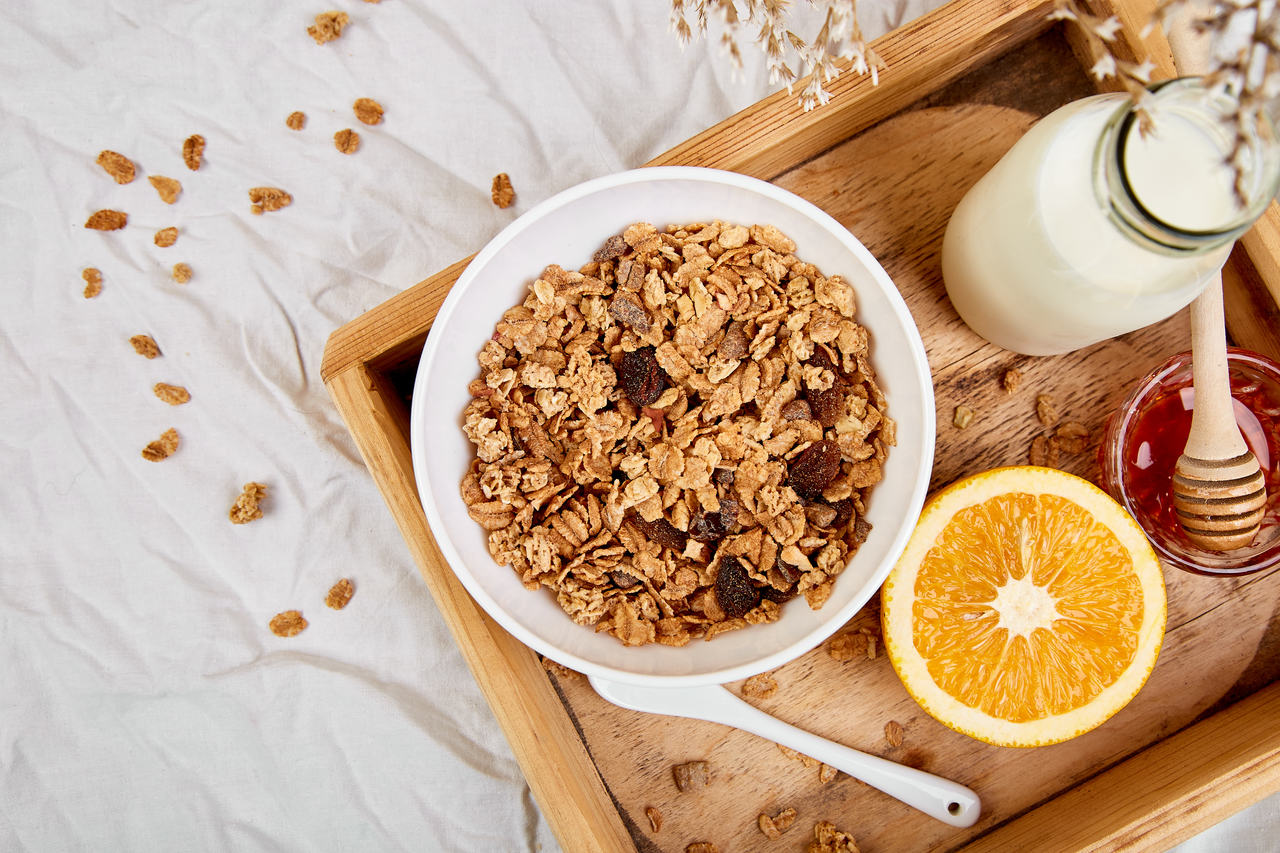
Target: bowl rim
point(924, 453)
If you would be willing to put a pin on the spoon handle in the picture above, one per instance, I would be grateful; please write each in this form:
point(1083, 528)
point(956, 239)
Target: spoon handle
point(940, 798)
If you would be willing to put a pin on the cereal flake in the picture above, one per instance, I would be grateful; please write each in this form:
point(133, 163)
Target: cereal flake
point(92, 281)
point(655, 818)
point(701, 847)
point(893, 733)
point(168, 188)
point(368, 110)
point(1011, 379)
point(1072, 437)
point(762, 686)
point(828, 839)
point(107, 220)
point(826, 773)
point(692, 775)
point(246, 508)
point(328, 26)
point(145, 346)
point(347, 141)
point(501, 192)
point(774, 826)
point(339, 595)
point(1046, 412)
point(288, 623)
point(297, 120)
point(193, 151)
point(963, 417)
point(117, 166)
point(163, 447)
point(181, 273)
point(174, 395)
point(268, 198)
point(166, 237)
point(1044, 451)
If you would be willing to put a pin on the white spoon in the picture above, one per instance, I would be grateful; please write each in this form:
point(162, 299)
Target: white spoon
point(940, 798)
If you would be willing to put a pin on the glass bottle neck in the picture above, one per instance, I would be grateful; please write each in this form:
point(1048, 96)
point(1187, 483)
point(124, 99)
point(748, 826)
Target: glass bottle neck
point(1175, 176)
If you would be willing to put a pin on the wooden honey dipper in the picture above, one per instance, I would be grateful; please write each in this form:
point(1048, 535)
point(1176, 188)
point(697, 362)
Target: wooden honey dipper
point(1219, 492)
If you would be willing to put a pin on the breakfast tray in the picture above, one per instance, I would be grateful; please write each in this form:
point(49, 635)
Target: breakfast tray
point(1200, 742)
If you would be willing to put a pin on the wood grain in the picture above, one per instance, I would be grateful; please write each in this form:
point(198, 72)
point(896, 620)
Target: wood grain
point(889, 163)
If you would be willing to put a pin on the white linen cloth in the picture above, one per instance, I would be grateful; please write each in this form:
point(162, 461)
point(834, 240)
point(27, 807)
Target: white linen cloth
point(144, 705)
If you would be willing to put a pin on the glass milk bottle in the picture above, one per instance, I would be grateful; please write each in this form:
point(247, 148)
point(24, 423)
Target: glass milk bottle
point(1089, 228)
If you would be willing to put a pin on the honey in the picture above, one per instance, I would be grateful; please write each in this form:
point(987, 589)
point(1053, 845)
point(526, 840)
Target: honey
point(1145, 438)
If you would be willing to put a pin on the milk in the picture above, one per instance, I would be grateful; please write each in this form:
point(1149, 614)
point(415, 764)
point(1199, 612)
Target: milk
point(1032, 259)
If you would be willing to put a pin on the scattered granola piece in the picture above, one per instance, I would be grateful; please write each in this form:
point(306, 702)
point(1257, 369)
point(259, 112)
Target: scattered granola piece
point(893, 732)
point(1011, 379)
point(828, 839)
point(288, 624)
point(1044, 451)
point(502, 193)
point(117, 166)
point(340, 594)
point(92, 282)
point(174, 395)
point(193, 151)
point(963, 417)
point(826, 773)
point(692, 775)
point(1046, 413)
point(166, 237)
point(145, 346)
point(368, 110)
point(107, 220)
point(1073, 437)
point(163, 447)
point(347, 141)
point(168, 188)
point(761, 686)
point(182, 273)
point(655, 816)
point(268, 198)
point(246, 508)
point(773, 827)
point(297, 120)
point(806, 760)
point(871, 647)
point(558, 669)
point(847, 646)
point(702, 847)
point(328, 26)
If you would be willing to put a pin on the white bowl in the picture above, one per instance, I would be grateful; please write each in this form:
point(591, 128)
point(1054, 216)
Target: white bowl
point(567, 229)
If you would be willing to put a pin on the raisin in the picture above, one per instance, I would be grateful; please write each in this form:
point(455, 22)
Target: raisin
point(811, 471)
point(734, 590)
point(844, 512)
point(714, 526)
point(661, 531)
point(735, 343)
point(623, 579)
point(861, 529)
point(612, 248)
point(628, 311)
point(724, 477)
point(827, 406)
point(778, 596)
point(641, 377)
point(796, 410)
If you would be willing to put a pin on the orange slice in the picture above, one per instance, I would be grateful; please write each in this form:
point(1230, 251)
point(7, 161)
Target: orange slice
point(1027, 608)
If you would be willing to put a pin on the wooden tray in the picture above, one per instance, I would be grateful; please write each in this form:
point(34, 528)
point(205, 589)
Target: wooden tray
point(890, 162)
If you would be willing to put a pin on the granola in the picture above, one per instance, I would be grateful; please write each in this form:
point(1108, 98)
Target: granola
point(267, 199)
point(246, 508)
point(680, 436)
point(163, 447)
point(501, 192)
point(166, 237)
point(145, 346)
point(118, 166)
point(328, 26)
point(181, 273)
point(92, 281)
point(339, 595)
point(368, 110)
point(347, 141)
point(107, 220)
point(287, 624)
point(193, 151)
point(773, 827)
point(691, 776)
point(762, 686)
point(168, 188)
point(828, 839)
point(174, 395)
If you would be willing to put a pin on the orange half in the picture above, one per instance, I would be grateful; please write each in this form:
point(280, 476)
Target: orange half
point(1027, 609)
